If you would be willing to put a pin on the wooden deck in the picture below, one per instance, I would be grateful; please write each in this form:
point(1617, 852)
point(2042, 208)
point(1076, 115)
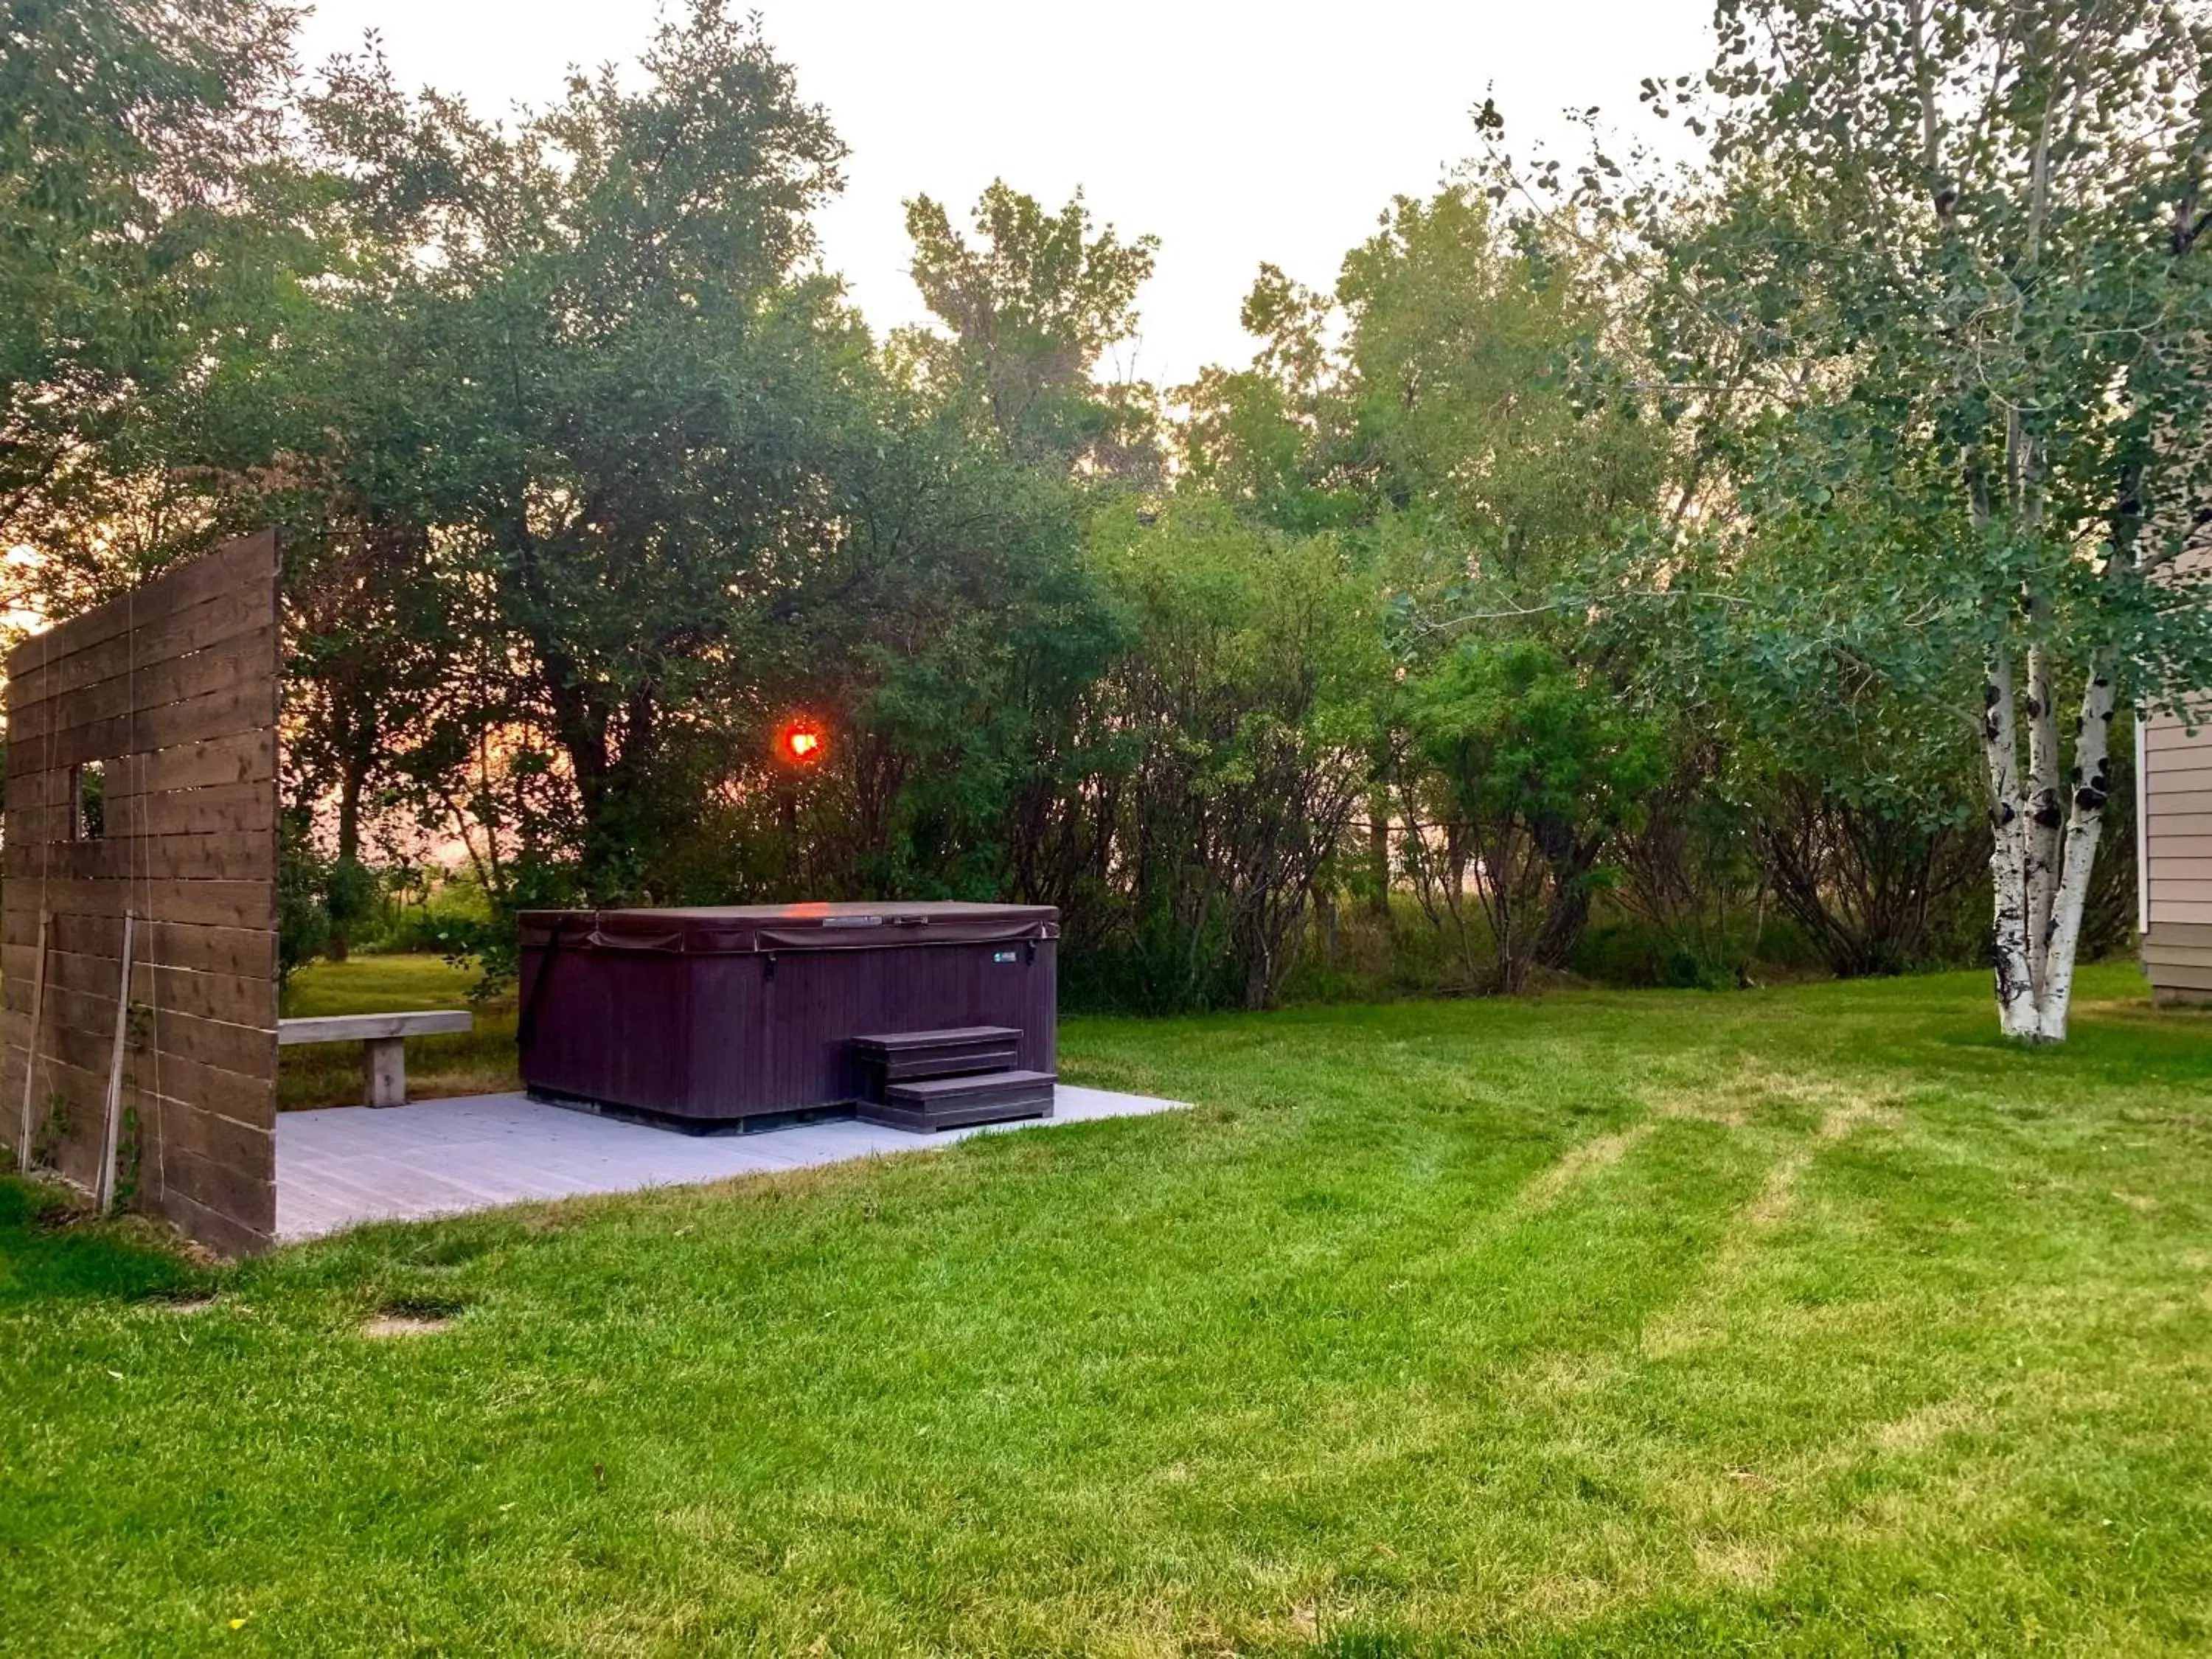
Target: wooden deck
point(347, 1165)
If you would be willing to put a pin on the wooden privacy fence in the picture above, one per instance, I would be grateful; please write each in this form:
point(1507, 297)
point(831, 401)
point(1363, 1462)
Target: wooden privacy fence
point(141, 849)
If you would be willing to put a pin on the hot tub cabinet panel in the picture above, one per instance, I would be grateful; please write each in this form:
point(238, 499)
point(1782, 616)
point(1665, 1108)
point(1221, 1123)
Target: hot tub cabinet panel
point(709, 1017)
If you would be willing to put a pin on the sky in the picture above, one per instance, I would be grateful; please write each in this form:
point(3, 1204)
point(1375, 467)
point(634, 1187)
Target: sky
point(1236, 133)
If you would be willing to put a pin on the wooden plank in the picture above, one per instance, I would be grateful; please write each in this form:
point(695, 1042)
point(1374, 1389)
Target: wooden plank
point(81, 1045)
point(225, 713)
point(227, 855)
point(241, 757)
point(203, 628)
point(37, 835)
point(249, 808)
point(249, 1099)
point(234, 1192)
point(248, 660)
point(361, 1028)
point(236, 566)
point(110, 1139)
point(34, 1014)
point(215, 1230)
point(231, 998)
point(208, 903)
point(233, 1047)
point(245, 565)
point(249, 952)
point(187, 1128)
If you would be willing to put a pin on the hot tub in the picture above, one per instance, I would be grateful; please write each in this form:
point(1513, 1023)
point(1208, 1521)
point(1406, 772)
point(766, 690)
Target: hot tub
point(751, 1015)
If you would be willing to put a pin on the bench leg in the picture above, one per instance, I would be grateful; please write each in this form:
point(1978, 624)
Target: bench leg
point(385, 1061)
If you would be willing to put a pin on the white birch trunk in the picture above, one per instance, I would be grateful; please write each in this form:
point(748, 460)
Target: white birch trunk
point(2008, 937)
point(2093, 786)
point(2045, 816)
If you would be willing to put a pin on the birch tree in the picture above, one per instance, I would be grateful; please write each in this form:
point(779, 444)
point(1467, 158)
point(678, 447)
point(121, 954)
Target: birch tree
point(1952, 287)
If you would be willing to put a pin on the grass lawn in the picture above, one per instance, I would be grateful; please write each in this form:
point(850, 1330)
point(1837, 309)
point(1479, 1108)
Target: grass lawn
point(478, 1062)
point(1810, 1320)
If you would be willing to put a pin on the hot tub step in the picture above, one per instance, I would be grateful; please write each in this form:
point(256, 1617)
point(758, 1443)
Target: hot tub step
point(954, 1103)
point(904, 1056)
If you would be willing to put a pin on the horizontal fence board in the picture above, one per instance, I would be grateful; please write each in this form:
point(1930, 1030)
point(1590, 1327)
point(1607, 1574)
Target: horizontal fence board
point(210, 904)
point(248, 808)
point(216, 626)
point(218, 1231)
point(228, 997)
point(227, 713)
point(248, 1196)
point(185, 1128)
point(247, 1098)
point(248, 953)
point(238, 569)
point(246, 1049)
point(169, 1123)
point(226, 855)
point(40, 841)
point(241, 757)
point(244, 660)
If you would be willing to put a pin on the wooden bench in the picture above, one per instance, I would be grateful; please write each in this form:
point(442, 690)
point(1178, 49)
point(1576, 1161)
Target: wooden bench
point(383, 1039)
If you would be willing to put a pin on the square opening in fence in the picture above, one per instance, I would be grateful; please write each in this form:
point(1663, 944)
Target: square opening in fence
point(88, 801)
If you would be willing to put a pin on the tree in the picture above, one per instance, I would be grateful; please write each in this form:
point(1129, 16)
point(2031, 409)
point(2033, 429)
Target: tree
point(1245, 702)
point(1534, 769)
point(134, 138)
point(1951, 287)
point(1032, 308)
point(632, 403)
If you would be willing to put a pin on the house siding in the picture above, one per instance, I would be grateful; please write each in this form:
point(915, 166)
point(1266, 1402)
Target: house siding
point(2174, 858)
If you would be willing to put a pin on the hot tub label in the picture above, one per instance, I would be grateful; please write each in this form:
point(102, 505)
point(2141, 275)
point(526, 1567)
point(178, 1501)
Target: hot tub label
point(1003, 956)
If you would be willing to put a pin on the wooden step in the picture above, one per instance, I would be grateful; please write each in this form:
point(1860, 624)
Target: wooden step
point(953, 1102)
point(905, 1056)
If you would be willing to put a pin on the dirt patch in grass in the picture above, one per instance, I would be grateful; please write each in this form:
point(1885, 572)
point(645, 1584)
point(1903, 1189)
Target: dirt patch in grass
point(412, 1316)
point(181, 1303)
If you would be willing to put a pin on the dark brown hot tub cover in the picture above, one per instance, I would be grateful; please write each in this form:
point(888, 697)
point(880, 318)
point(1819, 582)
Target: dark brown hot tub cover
point(743, 929)
point(726, 1015)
